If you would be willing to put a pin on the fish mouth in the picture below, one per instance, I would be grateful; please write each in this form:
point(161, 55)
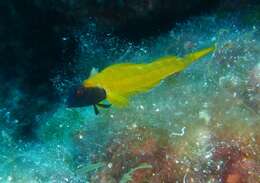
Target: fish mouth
point(71, 99)
point(69, 103)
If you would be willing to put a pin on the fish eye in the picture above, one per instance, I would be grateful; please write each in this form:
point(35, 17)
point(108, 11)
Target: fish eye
point(79, 92)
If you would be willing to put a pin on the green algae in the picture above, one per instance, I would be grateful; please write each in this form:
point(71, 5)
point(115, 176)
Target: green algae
point(90, 168)
point(128, 176)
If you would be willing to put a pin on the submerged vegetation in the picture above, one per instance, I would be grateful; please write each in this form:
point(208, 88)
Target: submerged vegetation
point(201, 125)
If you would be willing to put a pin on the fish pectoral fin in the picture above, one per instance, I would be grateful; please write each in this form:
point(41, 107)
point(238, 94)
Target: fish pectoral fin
point(96, 109)
point(100, 105)
point(117, 100)
point(103, 105)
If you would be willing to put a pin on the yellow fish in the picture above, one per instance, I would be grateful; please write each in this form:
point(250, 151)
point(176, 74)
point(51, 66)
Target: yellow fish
point(118, 82)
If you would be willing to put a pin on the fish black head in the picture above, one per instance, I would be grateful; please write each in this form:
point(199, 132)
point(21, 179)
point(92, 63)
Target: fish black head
point(80, 96)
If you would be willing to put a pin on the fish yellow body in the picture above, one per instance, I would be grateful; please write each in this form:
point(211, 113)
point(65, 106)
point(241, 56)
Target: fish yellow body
point(120, 81)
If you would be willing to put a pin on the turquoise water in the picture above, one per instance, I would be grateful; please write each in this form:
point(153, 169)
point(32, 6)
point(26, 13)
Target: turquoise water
point(200, 125)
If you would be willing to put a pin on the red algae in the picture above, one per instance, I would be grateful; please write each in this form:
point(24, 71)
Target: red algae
point(236, 165)
point(232, 160)
point(233, 156)
point(143, 145)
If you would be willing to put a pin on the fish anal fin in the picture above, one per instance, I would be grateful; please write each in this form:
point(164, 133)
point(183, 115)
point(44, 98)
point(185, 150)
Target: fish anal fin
point(117, 100)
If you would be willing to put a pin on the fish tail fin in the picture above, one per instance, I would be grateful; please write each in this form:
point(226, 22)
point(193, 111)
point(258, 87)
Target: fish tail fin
point(192, 57)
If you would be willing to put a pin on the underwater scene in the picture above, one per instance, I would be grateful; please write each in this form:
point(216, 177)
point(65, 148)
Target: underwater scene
point(148, 91)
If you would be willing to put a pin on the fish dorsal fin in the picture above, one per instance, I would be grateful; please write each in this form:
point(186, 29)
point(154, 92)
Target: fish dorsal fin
point(93, 71)
point(122, 66)
point(117, 100)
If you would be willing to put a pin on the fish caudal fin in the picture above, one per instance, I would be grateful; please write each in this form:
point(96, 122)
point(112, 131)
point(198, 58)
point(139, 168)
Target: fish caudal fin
point(190, 58)
point(117, 100)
